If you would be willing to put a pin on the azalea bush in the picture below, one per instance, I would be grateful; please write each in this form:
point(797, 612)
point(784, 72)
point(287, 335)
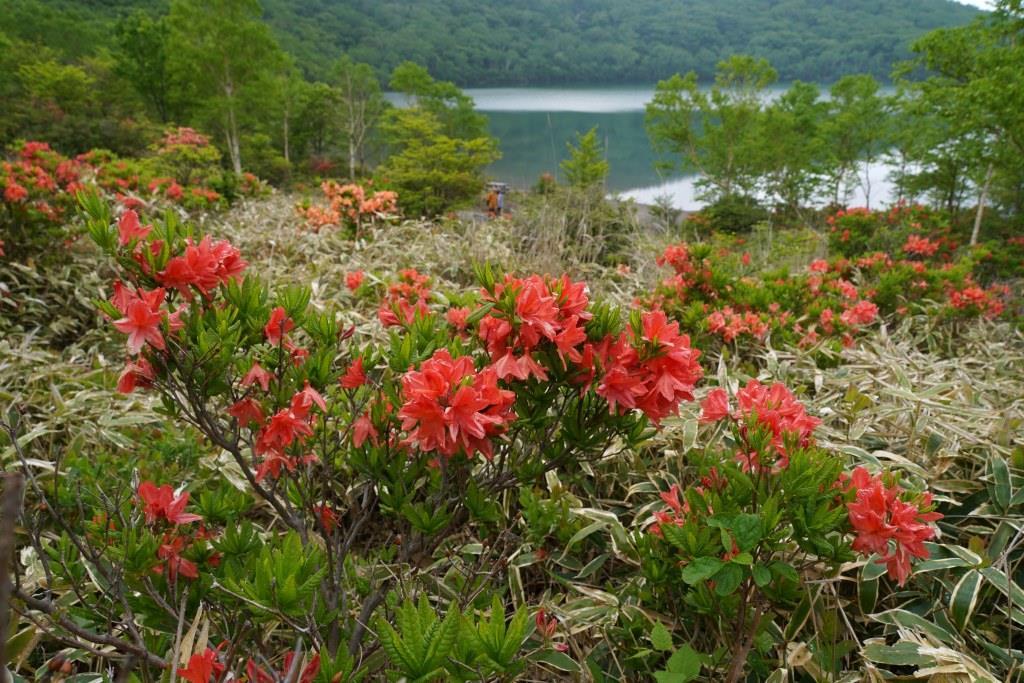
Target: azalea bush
point(37, 191)
point(829, 302)
point(357, 457)
point(351, 207)
point(757, 517)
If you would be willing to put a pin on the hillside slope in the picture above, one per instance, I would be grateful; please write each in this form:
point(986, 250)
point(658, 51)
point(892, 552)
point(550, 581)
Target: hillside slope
point(496, 42)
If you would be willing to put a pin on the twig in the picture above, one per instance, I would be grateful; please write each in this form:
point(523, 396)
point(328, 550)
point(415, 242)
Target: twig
point(121, 646)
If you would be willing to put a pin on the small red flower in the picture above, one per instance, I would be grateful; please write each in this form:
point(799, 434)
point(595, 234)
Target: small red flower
point(354, 279)
point(202, 667)
point(257, 375)
point(246, 411)
point(715, 406)
point(129, 228)
point(278, 326)
point(142, 320)
point(354, 377)
point(162, 503)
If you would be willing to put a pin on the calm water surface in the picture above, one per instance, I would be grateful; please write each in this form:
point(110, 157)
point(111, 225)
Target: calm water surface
point(534, 126)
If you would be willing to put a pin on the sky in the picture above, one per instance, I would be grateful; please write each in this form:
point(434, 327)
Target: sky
point(984, 4)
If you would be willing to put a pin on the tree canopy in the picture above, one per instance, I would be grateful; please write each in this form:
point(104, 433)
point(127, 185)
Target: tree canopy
point(487, 42)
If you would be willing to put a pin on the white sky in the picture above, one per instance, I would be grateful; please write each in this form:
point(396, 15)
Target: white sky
point(984, 4)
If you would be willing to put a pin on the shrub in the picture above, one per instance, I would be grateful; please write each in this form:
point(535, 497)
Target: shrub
point(354, 455)
point(734, 214)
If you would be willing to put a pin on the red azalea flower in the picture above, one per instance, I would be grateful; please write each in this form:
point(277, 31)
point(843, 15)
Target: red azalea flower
point(142, 320)
point(715, 406)
point(278, 326)
point(450, 408)
point(363, 429)
point(887, 525)
point(129, 228)
point(862, 313)
point(170, 552)
point(202, 667)
point(136, 374)
point(257, 375)
point(162, 503)
point(303, 401)
point(246, 411)
point(354, 377)
point(354, 279)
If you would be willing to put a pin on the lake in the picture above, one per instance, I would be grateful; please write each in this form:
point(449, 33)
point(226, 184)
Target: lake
point(534, 126)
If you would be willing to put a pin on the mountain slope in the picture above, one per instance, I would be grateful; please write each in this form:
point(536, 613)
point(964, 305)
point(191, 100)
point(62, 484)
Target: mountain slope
point(497, 42)
point(503, 42)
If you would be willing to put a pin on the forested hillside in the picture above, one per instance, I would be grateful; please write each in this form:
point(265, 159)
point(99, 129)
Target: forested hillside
point(490, 42)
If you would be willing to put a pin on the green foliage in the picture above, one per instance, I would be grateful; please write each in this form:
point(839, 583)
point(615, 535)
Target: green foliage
point(733, 214)
point(282, 578)
point(600, 42)
point(431, 171)
point(586, 166)
point(715, 132)
point(419, 647)
point(222, 57)
point(497, 643)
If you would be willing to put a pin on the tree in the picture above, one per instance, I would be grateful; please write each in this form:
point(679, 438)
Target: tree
point(854, 133)
point(454, 110)
point(224, 47)
point(142, 59)
point(792, 146)
point(974, 89)
point(361, 105)
point(714, 132)
point(317, 122)
point(586, 166)
point(433, 172)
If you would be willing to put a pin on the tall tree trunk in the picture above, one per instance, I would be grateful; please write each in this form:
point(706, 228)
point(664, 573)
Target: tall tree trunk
point(981, 203)
point(287, 154)
point(351, 157)
point(234, 149)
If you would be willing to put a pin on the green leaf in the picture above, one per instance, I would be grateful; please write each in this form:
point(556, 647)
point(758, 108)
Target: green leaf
point(685, 661)
point(1002, 490)
point(728, 579)
point(899, 654)
point(1009, 588)
point(557, 659)
point(747, 529)
point(661, 639)
point(701, 569)
point(905, 619)
point(964, 598)
point(784, 571)
point(745, 559)
point(762, 575)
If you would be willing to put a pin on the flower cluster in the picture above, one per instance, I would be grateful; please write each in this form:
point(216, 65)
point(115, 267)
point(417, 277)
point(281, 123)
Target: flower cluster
point(972, 298)
point(772, 408)
point(406, 299)
point(920, 246)
point(730, 324)
point(652, 368)
point(350, 206)
point(450, 408)
point(37, 193)
point(529, 311)
point(889, 523)
point(288, 427)
point(203, 266)
point(184, 136)
point(162, 504)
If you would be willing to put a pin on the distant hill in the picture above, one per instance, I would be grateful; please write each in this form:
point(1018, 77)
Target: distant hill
point(537, 42)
